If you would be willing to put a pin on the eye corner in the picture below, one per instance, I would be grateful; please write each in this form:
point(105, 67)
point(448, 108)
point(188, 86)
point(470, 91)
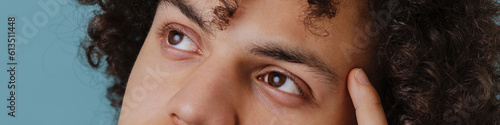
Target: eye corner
point(260, 77)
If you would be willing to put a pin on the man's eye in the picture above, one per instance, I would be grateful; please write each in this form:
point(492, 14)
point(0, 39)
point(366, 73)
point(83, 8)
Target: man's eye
point(180, 41)
point(282, 82)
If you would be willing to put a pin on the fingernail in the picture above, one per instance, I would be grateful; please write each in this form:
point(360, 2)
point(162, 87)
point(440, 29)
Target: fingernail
point(361, 77)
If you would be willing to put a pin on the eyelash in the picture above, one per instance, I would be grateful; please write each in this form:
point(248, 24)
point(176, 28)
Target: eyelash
point(165, 27)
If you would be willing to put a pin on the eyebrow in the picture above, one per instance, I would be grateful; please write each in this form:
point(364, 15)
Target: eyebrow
point(188, 10)
point(295, 55)
point(270, 50)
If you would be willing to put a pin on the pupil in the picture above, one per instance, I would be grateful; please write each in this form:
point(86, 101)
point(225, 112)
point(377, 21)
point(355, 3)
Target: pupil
point(276, 79)
point(175, 37)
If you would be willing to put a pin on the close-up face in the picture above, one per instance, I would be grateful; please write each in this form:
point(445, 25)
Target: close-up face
point(265, 66)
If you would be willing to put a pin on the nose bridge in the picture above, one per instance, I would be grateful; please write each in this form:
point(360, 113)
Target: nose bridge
point(207, 93)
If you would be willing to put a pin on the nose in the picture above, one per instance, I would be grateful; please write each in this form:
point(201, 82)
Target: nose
point(206, 96)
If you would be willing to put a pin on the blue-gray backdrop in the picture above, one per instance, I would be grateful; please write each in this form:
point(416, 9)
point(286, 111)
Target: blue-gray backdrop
point(53, 84)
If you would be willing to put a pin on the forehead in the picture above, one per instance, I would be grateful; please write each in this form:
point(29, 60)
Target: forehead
point(280, 19)
point(273, 16)
point(218, 14)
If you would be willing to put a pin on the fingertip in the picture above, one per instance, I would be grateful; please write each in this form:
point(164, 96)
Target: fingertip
point(354, 79)
point(361, 77)
point(360, 88)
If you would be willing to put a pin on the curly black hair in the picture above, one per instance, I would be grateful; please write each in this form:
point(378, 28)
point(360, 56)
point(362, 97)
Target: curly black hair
point(440, 60)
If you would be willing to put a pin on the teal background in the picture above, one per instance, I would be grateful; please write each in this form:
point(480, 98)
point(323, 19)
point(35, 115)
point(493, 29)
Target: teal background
point(54, 86)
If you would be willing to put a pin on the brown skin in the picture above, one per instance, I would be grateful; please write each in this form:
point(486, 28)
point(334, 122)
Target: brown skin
point(221, 82)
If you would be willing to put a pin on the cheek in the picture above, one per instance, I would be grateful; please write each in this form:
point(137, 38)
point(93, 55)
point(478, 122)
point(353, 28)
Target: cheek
point(151, 72)
point(149, 87)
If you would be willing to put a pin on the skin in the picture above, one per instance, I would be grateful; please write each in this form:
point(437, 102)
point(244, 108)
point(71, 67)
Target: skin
point(219, 80)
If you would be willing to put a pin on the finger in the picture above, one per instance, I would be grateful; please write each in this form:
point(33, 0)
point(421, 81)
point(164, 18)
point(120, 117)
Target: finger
point(366, 101)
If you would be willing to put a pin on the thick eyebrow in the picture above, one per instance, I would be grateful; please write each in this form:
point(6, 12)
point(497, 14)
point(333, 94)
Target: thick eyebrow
point(188, 10)
point(295, 55)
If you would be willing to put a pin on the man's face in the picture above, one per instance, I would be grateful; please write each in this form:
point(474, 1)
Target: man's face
point(265, 67)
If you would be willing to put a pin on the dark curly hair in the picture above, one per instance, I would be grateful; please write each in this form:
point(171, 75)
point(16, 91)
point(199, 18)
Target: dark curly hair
point(440, 59)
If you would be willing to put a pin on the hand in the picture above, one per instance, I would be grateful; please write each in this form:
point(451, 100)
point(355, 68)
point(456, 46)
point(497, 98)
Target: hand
point(366, 101)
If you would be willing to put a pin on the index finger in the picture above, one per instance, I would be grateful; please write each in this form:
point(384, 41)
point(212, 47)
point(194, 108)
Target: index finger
point(365, 98)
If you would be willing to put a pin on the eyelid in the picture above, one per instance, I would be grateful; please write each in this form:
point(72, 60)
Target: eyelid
point(167, 27)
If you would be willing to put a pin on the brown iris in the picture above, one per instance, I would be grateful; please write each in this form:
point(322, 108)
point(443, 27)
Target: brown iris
point(276, 79)
point(174, 37)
